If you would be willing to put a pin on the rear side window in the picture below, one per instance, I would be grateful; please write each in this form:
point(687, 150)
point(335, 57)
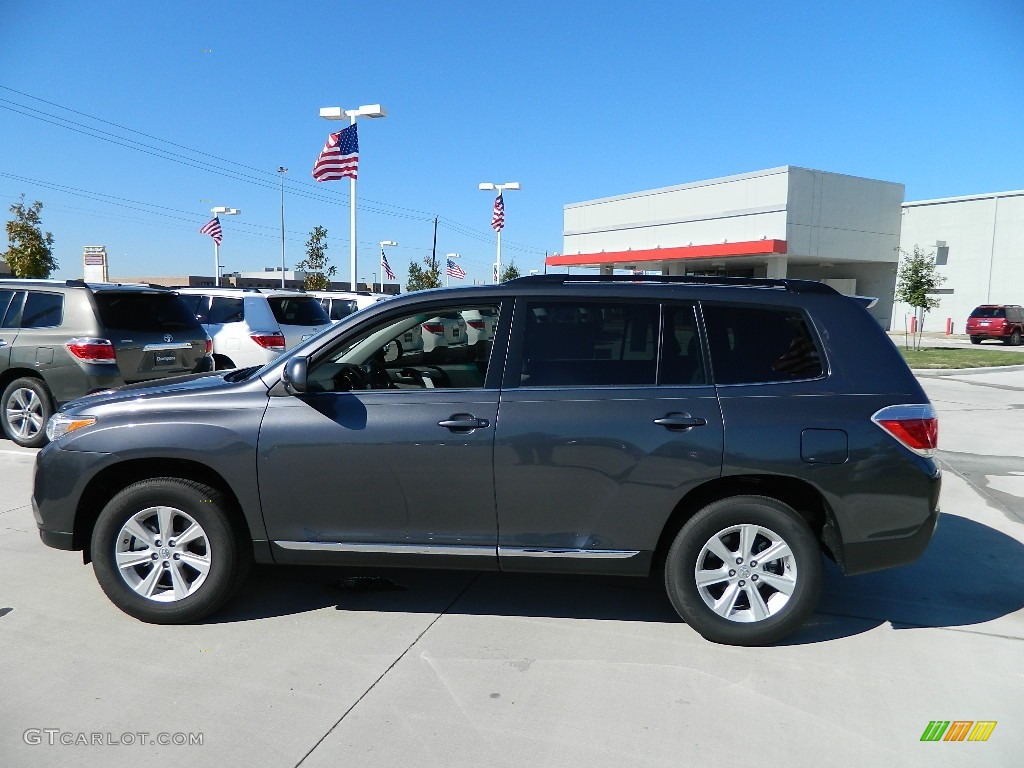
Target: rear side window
point(224, 309)
point(339, 308)
point(42, 310)
point(297, 310)
point(144, 311)
point(197, 305)
point(5, 302)
point(11, 317)
point(760, 344)
point(989, 312)
point(590, 344)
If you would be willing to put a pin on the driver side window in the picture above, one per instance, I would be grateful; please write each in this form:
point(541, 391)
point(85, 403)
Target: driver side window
point(441, 348)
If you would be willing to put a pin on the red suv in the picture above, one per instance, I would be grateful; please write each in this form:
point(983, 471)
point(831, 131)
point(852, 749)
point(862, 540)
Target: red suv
point(996, 321)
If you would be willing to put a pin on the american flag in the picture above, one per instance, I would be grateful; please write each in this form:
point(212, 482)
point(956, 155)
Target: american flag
point(388, 272)
point(454, 270)
point(212, 228)
point(498, 218)
point(339, 157)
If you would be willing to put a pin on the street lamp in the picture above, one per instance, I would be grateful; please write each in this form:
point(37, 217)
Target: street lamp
point(488, 186)
point(384, 266)
point(337, 113)
point(281, 170)
point(447, 273)
point(219, 211)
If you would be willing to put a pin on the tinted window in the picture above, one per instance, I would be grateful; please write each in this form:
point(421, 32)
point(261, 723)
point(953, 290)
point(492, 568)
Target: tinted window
point(5, 302)
point(989, 312)
point(144, 311)
point(298, 310)
point(197, 305)
point(590, 344)
point(42, 310)
point(751, 344)
point(226, 310)
point(681, 361)
point(339, 308)
point(13, 314)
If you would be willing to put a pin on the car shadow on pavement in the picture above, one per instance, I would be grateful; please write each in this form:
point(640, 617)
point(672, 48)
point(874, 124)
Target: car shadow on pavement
point(970, 574)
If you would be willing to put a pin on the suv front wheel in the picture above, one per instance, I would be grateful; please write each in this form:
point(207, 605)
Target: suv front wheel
point(25, 407)
point(745, 570)
point(165, 551)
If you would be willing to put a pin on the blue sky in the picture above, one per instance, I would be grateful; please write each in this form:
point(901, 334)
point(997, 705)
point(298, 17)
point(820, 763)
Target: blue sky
point(575, 100)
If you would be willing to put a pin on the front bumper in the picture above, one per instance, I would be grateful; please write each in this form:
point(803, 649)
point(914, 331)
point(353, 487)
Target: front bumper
point(61, 478)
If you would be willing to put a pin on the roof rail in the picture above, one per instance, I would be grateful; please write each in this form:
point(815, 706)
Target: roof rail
point(793, 286)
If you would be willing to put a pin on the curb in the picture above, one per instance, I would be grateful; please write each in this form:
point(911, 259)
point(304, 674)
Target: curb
point(952, 371)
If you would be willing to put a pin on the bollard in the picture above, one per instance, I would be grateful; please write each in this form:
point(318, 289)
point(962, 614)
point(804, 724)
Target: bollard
point(913, 323)
point(949, 326)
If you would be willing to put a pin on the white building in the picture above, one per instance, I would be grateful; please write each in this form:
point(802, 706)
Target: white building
point(781, 222)
point(979, 244)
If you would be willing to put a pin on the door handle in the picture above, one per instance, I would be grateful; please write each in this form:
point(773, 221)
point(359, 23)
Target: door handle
point(680, 422)
point(463, 422)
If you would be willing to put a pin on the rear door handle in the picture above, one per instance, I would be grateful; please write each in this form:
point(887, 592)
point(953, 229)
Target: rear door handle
point(679, 422)
point(463, 422)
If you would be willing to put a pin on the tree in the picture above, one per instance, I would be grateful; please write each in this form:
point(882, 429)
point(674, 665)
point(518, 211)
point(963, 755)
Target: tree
point(916, 279)
point(318, 274)
point(510, 272)
point(427, 276)
point(31, 252)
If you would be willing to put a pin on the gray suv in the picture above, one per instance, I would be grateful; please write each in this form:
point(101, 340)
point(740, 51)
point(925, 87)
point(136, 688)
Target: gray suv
point(60, 340)
point(722, 434)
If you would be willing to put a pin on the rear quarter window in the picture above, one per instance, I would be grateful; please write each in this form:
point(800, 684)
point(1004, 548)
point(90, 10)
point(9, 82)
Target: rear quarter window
point(760, 344)
point(144, 312)
point(43, 310)
point(298, 310)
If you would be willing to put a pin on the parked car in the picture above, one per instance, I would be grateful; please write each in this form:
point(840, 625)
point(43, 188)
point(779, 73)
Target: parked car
point(720, 433)
point(479, 325)
point(252, 326)
point(997, 321)
point(60, 340)
point(340, 304)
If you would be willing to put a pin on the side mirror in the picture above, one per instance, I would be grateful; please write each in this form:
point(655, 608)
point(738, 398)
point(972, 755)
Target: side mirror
point(294, 375)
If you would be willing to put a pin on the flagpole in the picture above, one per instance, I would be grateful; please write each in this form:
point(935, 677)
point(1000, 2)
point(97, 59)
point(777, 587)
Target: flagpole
point(352, 215)
point(216, 263)
point(498, 280)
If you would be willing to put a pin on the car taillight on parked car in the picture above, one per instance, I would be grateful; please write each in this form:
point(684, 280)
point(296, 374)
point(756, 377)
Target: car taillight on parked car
point(269, 340)
point(433, 327)
point(916, 426)
point(209, 346)
point(92, 350)
point(478, 324)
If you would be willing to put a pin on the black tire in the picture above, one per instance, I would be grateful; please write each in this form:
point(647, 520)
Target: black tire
point(975, 339)
point(1013, 340)
point(765, 520)
point(25, 407)
point(223, 552)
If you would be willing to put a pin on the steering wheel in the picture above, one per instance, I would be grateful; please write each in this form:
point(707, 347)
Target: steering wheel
point(350, 377)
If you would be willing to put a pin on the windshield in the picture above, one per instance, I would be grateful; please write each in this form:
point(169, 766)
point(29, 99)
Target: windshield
point(989, 312)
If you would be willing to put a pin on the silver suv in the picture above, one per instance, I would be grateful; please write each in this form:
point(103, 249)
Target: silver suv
point(60, 340)
point(252, 326)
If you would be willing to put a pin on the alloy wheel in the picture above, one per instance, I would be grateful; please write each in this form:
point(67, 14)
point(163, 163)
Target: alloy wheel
point(163, 554)
point(25, 413)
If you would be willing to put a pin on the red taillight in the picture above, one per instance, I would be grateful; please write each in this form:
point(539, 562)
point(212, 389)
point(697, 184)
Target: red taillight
point(478, 324)
point(269, 340)
point(209, 346)
point(92, 350)
point(916, 426)
point(433, 327)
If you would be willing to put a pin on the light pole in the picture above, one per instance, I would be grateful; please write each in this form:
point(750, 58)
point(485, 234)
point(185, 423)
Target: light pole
point(281, 170)
point(219, 211)
point(384, 266)
point(498, 226)
point(337, 113)
point(447, 274)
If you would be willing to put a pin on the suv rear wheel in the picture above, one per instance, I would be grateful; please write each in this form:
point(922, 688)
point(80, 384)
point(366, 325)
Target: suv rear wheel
point(25, 407)
point(165, 551)
point(745, 570)
point(1013, 339)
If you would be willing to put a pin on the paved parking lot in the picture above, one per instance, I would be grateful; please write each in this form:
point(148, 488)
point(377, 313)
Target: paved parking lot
point(312, 667)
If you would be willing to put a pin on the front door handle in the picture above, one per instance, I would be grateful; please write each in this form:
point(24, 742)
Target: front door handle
point(463, 422)
point(679, 422)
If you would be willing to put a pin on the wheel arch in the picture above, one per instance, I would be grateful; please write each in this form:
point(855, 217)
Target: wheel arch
point(803, 497)
point(12, 374)
point(113, 479)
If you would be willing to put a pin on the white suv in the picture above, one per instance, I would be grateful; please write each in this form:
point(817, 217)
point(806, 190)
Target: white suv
point(252, 326)
point(341, 304)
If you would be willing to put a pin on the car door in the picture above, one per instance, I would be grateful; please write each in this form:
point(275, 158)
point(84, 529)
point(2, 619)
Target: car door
point(607, 419)
point(8, 326)
point(382, 457)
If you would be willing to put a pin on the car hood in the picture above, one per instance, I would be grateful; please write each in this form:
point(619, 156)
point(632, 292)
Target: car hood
point(173, 386)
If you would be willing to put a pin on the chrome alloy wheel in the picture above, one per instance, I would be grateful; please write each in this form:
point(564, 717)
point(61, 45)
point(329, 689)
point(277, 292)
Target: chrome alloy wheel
point(25, 413)
point(163, 554)
point(746, 573)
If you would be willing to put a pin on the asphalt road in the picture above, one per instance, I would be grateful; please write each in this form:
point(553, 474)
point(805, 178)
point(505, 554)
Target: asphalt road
point(313, 667)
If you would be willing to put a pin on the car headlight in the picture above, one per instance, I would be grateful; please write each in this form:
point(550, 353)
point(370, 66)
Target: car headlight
point(60, 424)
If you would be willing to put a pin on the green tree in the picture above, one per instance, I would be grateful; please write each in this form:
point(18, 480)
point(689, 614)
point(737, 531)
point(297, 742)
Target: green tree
point(318, 274)
point(31, 252)
point(510, 272)
point(427, 276)
point(916, 279)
